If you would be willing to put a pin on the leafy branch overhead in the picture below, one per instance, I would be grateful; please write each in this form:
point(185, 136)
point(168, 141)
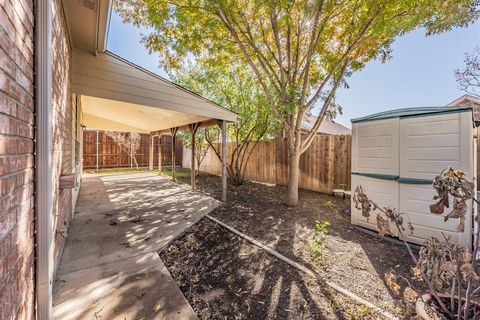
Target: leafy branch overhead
point(235, 88)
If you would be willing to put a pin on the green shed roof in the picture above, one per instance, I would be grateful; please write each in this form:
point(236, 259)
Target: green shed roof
point(411, 112)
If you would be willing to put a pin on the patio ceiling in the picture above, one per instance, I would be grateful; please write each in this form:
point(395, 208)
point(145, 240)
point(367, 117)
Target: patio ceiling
point(106, 114)
point(119, 95)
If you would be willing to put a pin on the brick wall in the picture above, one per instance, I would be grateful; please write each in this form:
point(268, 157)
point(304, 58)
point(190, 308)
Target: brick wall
point(62, 127)
point(17, 147)
point(16, 160)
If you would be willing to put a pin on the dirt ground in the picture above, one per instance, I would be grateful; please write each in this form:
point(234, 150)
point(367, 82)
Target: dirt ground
point(226, 277)
point(352, 259)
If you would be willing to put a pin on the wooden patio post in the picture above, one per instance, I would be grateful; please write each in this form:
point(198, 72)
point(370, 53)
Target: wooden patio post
point(160, 153)
point(97, 155)
point(224, 160)
point(150, 152)
point(193, 130)
point(173, 131)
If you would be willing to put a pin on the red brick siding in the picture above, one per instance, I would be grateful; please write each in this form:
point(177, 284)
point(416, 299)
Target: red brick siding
point(16, 160)
point(16, 150)
point(62, 126)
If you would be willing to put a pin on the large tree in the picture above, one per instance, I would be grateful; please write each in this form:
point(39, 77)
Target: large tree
point(300, 51)
point(235, 87)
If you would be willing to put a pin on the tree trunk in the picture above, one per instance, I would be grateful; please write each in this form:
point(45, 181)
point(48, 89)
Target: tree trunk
point(131, 162)
point(136, 163)
point(293, 171)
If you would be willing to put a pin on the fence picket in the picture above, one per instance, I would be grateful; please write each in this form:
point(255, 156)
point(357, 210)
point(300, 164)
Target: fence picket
point(323, 167)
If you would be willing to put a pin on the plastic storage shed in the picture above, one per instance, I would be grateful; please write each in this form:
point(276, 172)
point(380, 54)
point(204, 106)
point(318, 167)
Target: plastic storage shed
point(397, 154)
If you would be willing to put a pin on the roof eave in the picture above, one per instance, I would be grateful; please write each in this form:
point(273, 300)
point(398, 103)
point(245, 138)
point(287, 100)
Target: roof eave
point(103, 24)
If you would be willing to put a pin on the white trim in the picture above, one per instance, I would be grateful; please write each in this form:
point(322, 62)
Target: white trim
point(104, 13)
point(43, 159)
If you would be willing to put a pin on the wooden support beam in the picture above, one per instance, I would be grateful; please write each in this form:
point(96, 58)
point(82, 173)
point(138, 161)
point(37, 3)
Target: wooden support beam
point(159, 153)
point(150, 152)
point(224, 160)
point(193, 130)
point(173, 132)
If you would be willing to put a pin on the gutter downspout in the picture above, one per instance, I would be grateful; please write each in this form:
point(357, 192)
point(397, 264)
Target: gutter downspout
point(43, 159)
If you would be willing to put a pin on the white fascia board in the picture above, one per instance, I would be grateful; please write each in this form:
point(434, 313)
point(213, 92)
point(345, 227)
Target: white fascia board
point(43, 159)
point(104, 14)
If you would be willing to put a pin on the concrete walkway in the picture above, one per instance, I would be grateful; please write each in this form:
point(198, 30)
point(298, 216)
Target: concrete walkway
point(109, 268)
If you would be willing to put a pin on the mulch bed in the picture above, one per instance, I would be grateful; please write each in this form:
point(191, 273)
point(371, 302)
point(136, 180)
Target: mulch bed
point(226, 277)
point(352, 259)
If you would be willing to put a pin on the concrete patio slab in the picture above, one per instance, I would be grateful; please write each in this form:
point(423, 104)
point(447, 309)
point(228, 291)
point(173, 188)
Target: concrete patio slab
point(134, 288)
point(109, 267)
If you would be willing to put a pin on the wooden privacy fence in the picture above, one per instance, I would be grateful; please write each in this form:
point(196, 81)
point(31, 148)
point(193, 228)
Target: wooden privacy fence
point(109, 154)
point(325, 166)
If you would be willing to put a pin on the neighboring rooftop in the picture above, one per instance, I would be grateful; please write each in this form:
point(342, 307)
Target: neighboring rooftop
point(327, 126)
point(467, 100)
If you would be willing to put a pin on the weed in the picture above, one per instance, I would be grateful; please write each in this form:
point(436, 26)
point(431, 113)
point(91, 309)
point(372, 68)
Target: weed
point(361, 312)
point(329, 204)
point(319, 238)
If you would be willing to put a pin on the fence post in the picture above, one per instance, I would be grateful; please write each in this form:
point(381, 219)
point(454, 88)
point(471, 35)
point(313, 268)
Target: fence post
point(224, 160)
point(97, 155)
point(150, 152)
point(160, 137)
point(331, 164)
point(193, 130)
point(173, 132)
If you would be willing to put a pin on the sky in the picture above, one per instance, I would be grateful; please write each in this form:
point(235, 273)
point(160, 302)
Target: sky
point(421, 72)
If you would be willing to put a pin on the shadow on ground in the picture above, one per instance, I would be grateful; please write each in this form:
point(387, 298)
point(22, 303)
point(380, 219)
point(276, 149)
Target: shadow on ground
point(225, 277)
point(351, 259)
point(109, 267)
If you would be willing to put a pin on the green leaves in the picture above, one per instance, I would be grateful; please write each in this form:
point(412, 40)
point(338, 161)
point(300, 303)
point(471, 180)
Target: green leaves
point(235, 88)
point(292, 47)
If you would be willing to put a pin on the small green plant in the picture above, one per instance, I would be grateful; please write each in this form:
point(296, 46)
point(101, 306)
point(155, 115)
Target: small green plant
point(344, 186)
point(319, 238)
point(329, 204)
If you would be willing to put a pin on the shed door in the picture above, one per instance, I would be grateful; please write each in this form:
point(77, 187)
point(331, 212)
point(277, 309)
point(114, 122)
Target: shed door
point(383, 192)
point(375, 147)
point(427, 146)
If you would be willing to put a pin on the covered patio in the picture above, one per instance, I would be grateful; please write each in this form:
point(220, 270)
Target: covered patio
point(110, 267)
point(117, 95)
